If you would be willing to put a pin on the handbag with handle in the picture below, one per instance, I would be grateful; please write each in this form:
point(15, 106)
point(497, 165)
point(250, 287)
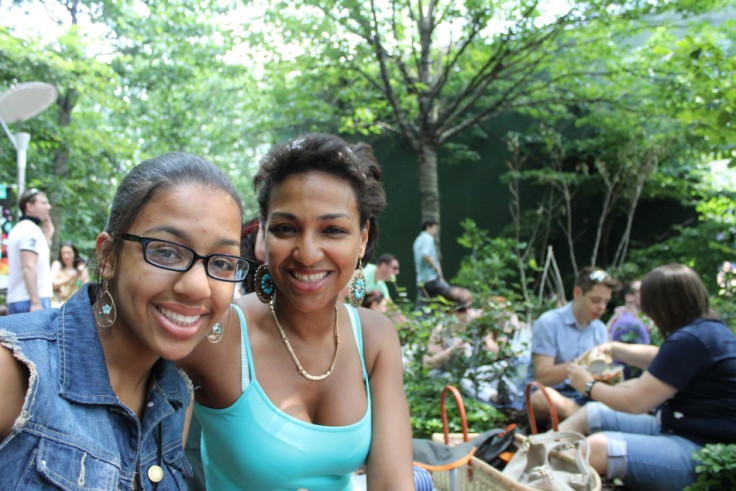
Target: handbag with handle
point(557, 460)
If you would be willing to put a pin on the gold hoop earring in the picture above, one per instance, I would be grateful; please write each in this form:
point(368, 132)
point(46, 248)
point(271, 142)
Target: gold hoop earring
point(356, 285)
point(104, 308)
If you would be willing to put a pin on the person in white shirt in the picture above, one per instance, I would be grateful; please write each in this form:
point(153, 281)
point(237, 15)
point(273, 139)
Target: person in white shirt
point(29, 267)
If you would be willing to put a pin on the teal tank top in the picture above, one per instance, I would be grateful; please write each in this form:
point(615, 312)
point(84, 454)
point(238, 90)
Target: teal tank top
point(252, 445)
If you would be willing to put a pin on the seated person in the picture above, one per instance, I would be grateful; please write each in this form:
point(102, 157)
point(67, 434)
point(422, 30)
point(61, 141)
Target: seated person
point(375, 300)
point(445, 340)
point(562, 335)
point(430, 280)
point(627, 324)
point(690, 381)
point(485, 360)
point(376, 275)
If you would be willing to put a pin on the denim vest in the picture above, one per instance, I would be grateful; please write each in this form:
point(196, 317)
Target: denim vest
point(73, 432)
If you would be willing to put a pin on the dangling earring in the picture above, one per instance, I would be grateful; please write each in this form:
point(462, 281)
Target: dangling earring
point(217, 332)
point(104, 308)
point(356, 285)
point(263, 284)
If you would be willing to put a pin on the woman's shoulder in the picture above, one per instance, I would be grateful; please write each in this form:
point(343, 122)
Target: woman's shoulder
point(374, 321)
point(712, 334)
point(38, 324)
point(379, 332)
point(255, 312)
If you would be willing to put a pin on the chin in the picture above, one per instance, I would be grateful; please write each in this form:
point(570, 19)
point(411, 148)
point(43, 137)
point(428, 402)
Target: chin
point(174, 351)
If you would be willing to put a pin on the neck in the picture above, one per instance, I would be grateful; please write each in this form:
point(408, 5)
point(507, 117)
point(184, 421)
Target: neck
point(631, 307)
point(305, 325)
point(581, 318)
point(128, 368)
point(35, 220)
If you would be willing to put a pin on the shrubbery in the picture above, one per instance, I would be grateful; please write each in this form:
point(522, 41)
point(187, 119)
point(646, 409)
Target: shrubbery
point(716, 468)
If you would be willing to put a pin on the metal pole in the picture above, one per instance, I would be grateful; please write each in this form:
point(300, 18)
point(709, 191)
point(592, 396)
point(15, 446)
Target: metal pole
point(7, 132)
point(21, 140)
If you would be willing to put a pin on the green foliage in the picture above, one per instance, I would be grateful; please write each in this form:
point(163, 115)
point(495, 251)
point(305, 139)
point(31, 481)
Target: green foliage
point(716, 467)
point(703, 246)
point(489, 268)
point(423, 387)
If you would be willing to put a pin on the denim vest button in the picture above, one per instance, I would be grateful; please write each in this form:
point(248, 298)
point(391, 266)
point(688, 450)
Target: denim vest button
point(150, 404)
point(155, 473)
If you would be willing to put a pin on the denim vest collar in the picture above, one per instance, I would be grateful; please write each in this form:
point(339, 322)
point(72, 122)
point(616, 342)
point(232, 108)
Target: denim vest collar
point(83, 375)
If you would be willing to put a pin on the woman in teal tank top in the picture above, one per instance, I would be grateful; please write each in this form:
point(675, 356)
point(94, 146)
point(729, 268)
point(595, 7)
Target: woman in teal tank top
point(301, 389)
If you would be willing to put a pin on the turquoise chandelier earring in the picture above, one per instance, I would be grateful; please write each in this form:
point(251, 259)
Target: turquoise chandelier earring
point(263, 284)
point(356, 285)
point(104, 308)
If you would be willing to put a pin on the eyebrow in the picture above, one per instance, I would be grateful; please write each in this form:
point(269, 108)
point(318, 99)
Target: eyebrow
point(327, 216)
point(186, 237)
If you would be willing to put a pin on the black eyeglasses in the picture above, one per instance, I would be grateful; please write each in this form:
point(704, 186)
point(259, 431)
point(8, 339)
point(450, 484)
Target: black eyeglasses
point(171, 256)
point(598, 275)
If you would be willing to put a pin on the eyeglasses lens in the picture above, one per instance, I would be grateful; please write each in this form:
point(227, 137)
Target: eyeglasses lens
point(175, 257)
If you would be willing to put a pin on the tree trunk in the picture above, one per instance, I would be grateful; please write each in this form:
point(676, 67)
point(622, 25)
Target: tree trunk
point(66, 105)
point(428, 184)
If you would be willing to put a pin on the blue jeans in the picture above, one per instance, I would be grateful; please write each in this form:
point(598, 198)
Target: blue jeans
point(639, 454)
point(25, 306)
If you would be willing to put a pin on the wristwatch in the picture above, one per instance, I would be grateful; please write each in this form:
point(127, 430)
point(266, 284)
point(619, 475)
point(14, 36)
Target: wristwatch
point(589, 388)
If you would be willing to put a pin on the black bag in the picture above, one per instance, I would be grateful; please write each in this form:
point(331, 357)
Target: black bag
point(496, 447)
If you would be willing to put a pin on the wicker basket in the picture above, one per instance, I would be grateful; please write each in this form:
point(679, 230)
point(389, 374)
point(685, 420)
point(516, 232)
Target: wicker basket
point(478, 476)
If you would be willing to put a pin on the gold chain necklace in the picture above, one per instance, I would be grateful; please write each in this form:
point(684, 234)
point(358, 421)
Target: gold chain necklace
point(299, 366)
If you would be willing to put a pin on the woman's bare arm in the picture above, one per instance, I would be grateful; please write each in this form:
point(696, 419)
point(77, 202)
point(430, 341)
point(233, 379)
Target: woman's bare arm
point(389, 465)
point(13, 387)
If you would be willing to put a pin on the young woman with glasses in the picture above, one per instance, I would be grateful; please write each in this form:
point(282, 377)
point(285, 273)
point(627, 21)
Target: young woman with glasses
point(91, 397)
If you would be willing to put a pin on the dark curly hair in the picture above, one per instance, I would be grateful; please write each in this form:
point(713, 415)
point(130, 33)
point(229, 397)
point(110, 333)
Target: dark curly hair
point(355, 164)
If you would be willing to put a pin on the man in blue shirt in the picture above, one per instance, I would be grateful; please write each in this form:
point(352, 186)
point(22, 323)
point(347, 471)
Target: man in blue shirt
point(561, 335)
point(430, 281)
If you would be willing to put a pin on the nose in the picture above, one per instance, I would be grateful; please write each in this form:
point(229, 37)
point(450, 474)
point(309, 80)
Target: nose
point(194, 283)
point(307, 250)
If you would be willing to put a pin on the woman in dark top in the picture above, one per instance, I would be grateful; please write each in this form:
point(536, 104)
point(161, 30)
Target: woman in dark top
point(689, 382)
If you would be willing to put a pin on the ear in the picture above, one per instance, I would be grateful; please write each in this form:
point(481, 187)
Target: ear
point(364, 239)
point(105, 259)
point(577, 292)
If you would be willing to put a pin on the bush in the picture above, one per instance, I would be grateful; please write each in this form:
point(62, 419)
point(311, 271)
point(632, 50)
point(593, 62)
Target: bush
point(423, 389)
point(716, 468)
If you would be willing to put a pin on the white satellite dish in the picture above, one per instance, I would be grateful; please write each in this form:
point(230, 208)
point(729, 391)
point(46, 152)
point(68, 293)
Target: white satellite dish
point(19, 103)
point(23, 101)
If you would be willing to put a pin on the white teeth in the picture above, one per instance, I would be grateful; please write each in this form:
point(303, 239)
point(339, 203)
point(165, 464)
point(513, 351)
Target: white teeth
point(182, 320)
point(309, 278)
